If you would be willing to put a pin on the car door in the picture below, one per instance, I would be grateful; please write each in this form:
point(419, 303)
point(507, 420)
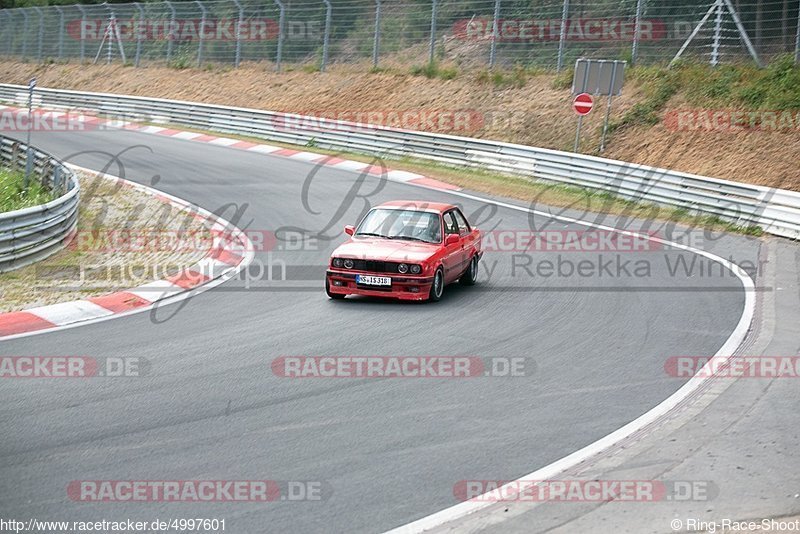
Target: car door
point(467, 238)
point(452, 253)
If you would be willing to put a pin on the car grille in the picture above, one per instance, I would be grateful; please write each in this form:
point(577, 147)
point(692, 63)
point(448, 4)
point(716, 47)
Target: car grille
point(373, 266)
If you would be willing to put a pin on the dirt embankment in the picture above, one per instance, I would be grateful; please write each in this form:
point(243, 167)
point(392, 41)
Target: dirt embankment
point(536, 112)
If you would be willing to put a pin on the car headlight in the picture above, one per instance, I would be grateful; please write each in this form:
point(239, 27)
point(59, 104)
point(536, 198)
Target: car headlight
point(402, 268)
point(337, 262)
point(416, 269)
point(348, 264)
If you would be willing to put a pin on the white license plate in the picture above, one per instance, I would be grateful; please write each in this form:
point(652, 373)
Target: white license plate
point(373, 280)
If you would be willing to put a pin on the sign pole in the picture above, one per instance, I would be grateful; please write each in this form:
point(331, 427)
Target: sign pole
point(580, 116)
point(28, 151)
point(608, 107)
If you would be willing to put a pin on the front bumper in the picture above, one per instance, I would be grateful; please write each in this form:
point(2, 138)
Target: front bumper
point(403, 287)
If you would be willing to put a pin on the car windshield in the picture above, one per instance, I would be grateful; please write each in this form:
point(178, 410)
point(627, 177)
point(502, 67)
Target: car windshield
point(408, 225)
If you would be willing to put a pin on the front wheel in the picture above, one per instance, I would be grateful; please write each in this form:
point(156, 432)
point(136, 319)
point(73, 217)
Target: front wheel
point(471, 275)
point(334, 296)
point(437, 287)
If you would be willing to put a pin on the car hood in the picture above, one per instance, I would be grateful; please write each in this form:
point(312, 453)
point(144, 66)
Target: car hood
point(386, 250)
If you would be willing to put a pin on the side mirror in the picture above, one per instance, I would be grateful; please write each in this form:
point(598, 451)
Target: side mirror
point(349, 229)
point(451, 239)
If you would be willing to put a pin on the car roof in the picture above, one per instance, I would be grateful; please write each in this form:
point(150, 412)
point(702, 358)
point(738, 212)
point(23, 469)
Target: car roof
point(418, 205)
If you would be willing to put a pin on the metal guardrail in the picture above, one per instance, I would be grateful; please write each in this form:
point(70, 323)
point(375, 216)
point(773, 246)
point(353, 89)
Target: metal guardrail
point(32, 234)
point(776, 211)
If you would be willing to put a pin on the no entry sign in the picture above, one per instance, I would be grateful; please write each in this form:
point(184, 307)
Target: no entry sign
point(583, 104)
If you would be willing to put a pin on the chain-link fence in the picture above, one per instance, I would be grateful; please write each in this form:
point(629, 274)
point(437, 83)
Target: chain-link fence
point(547, 34)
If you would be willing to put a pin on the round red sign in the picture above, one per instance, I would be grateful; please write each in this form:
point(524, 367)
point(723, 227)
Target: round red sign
point(583, 104)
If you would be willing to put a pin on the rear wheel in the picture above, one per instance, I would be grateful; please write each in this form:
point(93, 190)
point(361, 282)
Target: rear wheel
point(334, 296)
point(471, 275)
point(437, 287)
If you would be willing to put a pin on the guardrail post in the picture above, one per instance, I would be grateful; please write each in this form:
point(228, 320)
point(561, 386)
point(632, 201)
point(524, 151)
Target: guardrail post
point(562, 36)
point(24, 33)
point(281, 23)
point(201, 37)
point(376, 40)
point(14, 161)
point(637, 32)
point(239, 22)
point(171, 32)
point(327, 37)
point(83, 27)
point(138, 55)
point(495, 34)
point(41, 34)
point(434, 9)
point(57, 178)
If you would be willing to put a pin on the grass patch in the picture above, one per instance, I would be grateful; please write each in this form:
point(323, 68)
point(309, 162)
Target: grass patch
point(14, 195)
point(744, 87)
point(433, 70)
point(659, 86)
point(563, 80)
point(311, 68)
point(775, 88)
point(516, 78)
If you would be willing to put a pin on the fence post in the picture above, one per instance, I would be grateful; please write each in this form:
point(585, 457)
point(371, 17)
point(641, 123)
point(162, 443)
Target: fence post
point(495, 34)
point(171, 31)
point(83, 26)
point(40, 40)
point(376, 41)
point(200, 38)
point(434, 9)
point(562, 36)
point(327, 37)
point(637, 32)
point(10, 42)
point(238, 57)
point(717, 36)
point(60, 31)
point(281, 30)
point(797, 40)
point(24, 33)
point(138, 56)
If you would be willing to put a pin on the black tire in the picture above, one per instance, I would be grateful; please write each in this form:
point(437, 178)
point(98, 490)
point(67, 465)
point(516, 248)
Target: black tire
point(334, 296)
point(470, 276)
point(437, 287)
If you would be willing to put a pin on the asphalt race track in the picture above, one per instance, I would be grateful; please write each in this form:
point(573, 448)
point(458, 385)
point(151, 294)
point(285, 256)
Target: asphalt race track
point(388, 451)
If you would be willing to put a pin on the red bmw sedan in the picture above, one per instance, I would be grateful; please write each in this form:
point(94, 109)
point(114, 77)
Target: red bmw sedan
point(408, 250)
